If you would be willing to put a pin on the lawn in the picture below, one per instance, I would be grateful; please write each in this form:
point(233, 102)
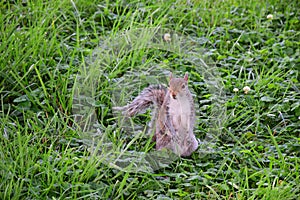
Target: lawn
point(65, 64)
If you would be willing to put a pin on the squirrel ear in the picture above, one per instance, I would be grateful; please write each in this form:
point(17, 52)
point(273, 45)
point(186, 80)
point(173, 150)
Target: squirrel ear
point(186, 76)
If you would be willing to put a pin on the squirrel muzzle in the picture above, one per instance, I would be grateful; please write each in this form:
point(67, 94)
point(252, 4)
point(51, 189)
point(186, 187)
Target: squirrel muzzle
point(173, 95)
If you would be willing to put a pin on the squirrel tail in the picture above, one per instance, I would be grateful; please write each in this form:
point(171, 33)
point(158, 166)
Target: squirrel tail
point(154, 94)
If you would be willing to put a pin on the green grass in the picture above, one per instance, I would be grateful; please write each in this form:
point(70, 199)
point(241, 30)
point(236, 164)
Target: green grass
point(44, 46)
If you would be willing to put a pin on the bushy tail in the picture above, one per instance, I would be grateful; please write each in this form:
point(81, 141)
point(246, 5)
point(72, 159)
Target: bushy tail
point(149, 96)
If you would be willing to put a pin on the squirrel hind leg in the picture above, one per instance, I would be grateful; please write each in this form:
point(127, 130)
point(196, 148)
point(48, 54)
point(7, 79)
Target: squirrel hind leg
point(193, 146)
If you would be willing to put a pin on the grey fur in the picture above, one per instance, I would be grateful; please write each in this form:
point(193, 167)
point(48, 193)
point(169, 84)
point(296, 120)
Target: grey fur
point(174, 115)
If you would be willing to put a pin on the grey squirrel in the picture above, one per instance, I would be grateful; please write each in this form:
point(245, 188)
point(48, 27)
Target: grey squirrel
point(174, 115)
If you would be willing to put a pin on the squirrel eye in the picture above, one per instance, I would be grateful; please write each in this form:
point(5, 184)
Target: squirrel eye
point(183, 86)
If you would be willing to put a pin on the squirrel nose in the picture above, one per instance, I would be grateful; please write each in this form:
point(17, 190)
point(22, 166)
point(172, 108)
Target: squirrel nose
point(174, 96)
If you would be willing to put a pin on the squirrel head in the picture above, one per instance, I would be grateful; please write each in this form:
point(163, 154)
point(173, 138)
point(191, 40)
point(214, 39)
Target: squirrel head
point(178, 86)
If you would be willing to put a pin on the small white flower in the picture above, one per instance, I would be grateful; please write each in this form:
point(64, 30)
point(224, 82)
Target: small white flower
point(249, 59)
point(167, 37)
point(246, 89)
point(235, 89)
point(269, 16)
point(228, 41)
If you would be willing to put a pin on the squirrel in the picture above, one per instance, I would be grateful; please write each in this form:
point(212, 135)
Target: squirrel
point(174, 115)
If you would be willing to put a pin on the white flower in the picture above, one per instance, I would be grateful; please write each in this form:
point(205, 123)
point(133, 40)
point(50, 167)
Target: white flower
point(167, 37)
point(246, 89)
point(235, 89)
point(269, 16)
